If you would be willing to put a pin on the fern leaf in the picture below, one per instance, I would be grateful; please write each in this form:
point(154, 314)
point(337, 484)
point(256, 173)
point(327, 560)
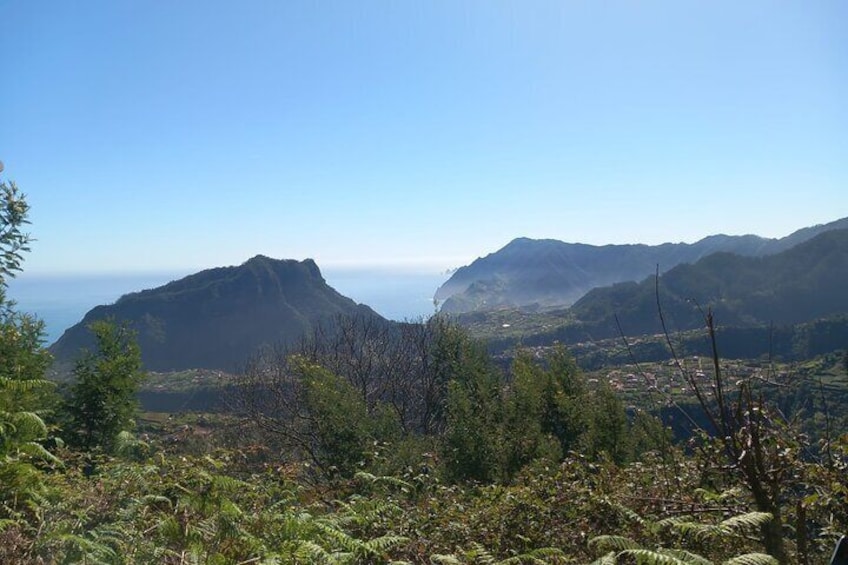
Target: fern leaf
point(7, 523)
point(445, 559)
point(480, 554)
point(608, 559)
point(369, 478)
point(28, 425)
point(365, 477)
point(650, 557)
point(129, 446)
point(38, 451)
point(311, 552)
point(624, 511)
point(686, 556)
point(23, 385)
point(684, 525)
point(343, 540)
point(379, 546)
point(752, 559)
point(745, 522)
point(614, 543)
point(535, 556)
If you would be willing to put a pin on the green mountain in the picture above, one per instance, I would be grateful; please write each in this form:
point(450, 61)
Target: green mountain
point(547, 273)
point(217, 318)
point(804, 283)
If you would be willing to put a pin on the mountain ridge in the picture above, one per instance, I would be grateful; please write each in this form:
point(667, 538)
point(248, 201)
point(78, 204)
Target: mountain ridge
point(548, 273)
point(217, 318)
point(801, 284)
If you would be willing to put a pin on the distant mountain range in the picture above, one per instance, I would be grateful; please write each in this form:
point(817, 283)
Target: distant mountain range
point(806, 282)
point(218, 318)
point(548, 273)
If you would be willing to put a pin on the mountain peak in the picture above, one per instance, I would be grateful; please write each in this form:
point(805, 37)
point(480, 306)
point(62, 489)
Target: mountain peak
point(217, 318)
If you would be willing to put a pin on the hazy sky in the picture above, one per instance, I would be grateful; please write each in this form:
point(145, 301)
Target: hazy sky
point(171, 135)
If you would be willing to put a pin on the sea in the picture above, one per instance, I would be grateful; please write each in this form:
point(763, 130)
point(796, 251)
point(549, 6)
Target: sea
point(61, 301)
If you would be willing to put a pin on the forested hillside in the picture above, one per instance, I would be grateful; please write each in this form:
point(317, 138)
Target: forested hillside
point(531, 273)
point(218, 318)
point(801, 284)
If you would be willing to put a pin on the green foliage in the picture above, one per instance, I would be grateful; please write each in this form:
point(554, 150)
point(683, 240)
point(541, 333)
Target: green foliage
point(339, 425)
point(525, 434)
point(474, 409)
point(622, 549)
point(102, 401)
point(13, 242)
point(177, 508)
point(797, 285)
point(609, 429)
point(565, 411)
point(537, 461)
point(25, 396)
point(551, 411)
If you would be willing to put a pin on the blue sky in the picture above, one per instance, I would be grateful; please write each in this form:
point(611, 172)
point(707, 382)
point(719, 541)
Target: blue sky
point(178, 135)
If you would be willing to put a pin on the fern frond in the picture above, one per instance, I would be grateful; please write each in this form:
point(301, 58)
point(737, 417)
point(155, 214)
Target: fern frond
point(38, 451)
point(440, 559)
point(687, 556)
point(23, 385)
point(650, 557)
point(613, 543)
point(293, 526)
point(745, 522)
point(480, 554)
point(127, 445)
point(8, 523)
point(624, 511)
point(225, 483)
point(379, 546)
point(28, 425)
point(371, 479)
point(364, 511)
point(712, 496)
point(608, 559)
point(91, 551)
point(752, 559)
point(342, 539)
point(311, 552)
point(536, 556)
point(733, 526)
point(684, 525)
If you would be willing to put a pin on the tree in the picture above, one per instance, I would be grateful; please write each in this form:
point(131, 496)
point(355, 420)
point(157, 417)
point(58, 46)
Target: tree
point(24, 393)
point(13, 242)
point(609, 429)
point(399, 373)
point(103, 401)
point(474, 412)
point(339, 428)
point(523, 437)
point(565, 411)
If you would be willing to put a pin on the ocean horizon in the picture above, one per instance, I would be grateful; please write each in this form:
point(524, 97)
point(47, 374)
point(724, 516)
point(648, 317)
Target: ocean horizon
point(62, 300)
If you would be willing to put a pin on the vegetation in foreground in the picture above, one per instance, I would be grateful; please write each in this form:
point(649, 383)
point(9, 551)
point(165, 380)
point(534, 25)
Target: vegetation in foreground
point(412, 446)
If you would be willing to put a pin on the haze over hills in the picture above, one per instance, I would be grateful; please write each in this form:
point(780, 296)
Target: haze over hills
point(529, 273)
point(217, 318)
point(801, 284)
